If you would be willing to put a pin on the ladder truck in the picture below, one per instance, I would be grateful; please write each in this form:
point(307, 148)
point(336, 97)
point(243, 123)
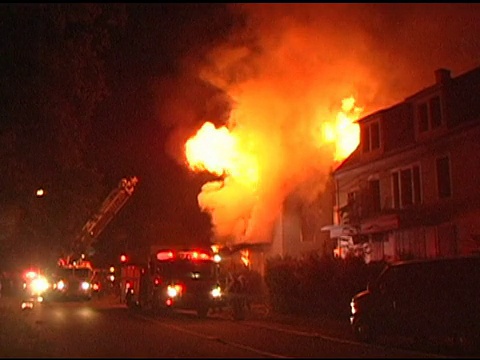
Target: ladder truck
point(112, 204)
point(75, 274)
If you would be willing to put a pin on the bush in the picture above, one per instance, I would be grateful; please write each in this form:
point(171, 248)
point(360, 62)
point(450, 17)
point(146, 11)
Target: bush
point(315, 284)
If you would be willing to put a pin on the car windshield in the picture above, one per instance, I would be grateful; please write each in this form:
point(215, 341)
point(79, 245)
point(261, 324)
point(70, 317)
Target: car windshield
point(187, 269)
point(81, 273)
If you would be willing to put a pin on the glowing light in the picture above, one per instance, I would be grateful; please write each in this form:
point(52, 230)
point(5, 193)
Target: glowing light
point(219, 152)
point(164, 255)
point(39, 285)
point(245, 257)
point(27, 305)
point(345, 132)
point(31, 274)
point(174, 290)
point(216, 292)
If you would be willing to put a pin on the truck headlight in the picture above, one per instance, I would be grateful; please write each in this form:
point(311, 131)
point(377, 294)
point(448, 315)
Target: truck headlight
point(85, 285)
point(39, 285)
point(216, 292)
point(174, 290)
point(60, 285)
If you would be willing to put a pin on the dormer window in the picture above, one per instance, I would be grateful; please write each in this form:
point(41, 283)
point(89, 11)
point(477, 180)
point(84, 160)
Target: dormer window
point(429, 114)
point(371, 137)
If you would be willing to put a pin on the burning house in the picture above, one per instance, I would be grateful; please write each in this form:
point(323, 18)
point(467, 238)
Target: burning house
point(410, 188)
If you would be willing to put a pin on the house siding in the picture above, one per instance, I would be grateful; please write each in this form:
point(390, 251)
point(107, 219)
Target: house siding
point(431, 208)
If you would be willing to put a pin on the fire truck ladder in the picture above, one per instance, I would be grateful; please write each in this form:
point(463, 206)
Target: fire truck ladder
point(99, 221)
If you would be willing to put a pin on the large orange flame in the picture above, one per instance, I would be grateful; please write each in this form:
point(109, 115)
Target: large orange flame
point(345, 132)
point(259, 164)
point(218, 151)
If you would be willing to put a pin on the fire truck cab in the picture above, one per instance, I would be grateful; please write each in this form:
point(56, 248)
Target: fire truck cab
point(73, 281)
point(175, 279)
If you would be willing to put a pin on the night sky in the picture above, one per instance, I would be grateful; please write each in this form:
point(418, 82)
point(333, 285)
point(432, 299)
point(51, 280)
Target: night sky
point(175, 66)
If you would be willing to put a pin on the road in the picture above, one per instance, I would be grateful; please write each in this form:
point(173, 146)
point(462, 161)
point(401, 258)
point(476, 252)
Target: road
point(103, 328)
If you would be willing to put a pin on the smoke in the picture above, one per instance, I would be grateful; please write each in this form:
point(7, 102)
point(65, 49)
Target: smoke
point(287, 72)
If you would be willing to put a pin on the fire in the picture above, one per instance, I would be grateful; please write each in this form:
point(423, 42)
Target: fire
point(219, 152)
point(259, 163)
point(345, 132)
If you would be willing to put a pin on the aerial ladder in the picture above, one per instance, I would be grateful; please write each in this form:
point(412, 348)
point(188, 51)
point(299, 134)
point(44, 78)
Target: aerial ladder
point(113, 203)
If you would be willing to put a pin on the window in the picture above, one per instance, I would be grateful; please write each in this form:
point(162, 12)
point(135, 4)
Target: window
point(374, 136)
point(371, 137)
point(396, 190)
point(406, 187)
point(422, 112)
point(435, 112)
point(429, 114)
point(374, 192)
point(443, 178)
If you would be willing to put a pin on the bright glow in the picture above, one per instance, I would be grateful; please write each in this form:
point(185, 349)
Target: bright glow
point(112, 269)
point(245, 257)
point(31, 274)
point(40, 192)
point(164, 255)
point(40, 299)
point(111, 278)
point(60, 285)
point(344, 132)
point(85, 285)
point(219, 152)
point(195, 255)
point(217, 258)
point(27, 305)
point(174, 290)
point(171, 291)
point(353, 308)
point(39, 285)
point(216, 292)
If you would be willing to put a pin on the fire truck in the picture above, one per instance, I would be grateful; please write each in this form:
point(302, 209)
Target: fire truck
point(174, 278)
point(74, 276)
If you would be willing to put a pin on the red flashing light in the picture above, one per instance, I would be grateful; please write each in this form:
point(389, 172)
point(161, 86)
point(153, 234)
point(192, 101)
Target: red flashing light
point(184, 255)
point(196, 255)
point(123, 258)
point(157, 281)
point(169, 302)
point(165, 255)
point(128, 285)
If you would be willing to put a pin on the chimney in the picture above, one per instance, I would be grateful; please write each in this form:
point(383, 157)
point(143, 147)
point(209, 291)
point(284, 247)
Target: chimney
point(442, 76)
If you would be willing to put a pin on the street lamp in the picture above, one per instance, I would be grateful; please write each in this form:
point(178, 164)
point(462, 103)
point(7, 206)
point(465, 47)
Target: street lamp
point(40, 192)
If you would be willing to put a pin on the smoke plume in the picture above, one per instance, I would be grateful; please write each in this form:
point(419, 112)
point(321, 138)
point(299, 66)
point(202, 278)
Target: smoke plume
point(286, 73)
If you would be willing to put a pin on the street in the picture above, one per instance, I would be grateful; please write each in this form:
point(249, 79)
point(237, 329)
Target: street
point(104, 328)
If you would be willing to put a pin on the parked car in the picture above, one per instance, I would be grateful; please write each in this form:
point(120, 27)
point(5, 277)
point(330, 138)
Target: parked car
point(436, 300)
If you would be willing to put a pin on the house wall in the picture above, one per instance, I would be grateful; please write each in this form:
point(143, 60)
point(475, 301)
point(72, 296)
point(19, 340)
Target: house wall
point(435, 226)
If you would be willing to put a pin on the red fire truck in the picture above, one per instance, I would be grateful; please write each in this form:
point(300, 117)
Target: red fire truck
point(174, 278)
point(75, 275)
